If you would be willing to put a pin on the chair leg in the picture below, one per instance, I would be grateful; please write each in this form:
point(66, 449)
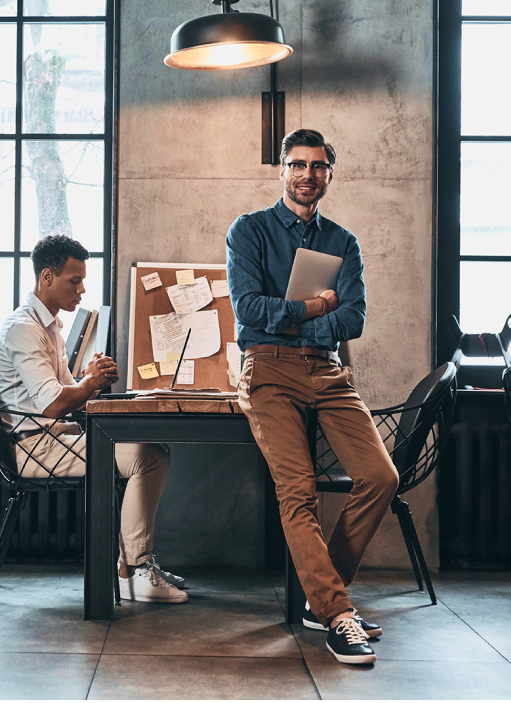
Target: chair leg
point(295, 597)
point(399, 509)
point(118, 502)
point(418, 550)
point(8, 524)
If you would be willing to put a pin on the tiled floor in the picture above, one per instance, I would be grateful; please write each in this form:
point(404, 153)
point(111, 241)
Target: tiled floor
point(230, 641)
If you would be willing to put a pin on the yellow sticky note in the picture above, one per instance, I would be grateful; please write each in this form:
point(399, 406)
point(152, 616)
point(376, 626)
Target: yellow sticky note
point(168, 368)
point(173, 356)
point(185, 277)
point(148, 371)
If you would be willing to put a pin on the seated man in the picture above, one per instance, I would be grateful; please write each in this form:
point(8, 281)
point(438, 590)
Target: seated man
point(34, 377)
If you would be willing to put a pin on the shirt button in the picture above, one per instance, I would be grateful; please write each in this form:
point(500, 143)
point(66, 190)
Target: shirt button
point(304, 240)
point(298, 222)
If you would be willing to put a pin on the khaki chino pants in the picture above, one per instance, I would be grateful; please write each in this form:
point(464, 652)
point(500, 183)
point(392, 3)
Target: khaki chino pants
point(145, 465)
point(277, 392)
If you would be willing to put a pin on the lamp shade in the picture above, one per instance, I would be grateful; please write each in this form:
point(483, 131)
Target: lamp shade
point(226, 41)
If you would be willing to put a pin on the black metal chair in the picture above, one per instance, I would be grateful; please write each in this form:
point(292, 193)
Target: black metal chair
point(415, 433)
point(11, 476)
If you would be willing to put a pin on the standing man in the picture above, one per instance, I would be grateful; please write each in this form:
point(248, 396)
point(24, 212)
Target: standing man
point(35, 378)
point(291, 370)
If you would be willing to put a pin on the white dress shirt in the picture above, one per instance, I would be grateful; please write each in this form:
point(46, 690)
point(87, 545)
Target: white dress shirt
point(33, 360)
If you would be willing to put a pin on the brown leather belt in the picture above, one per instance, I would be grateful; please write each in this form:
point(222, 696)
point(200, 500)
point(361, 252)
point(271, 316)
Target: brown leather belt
point(293, 351)
point(20, 436)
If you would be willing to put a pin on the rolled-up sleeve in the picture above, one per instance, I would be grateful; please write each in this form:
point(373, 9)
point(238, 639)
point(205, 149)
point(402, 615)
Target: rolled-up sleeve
point(347, 321)
point(246, 283)
point(27, 350)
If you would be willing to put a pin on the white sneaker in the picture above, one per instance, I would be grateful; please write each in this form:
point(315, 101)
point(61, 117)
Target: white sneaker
point(177, 581)
point(147, 585)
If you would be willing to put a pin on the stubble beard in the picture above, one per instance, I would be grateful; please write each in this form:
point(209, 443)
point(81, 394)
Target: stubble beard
point(296, 197)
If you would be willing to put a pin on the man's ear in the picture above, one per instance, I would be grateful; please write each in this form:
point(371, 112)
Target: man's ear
point(46, 277)
point(281, 172)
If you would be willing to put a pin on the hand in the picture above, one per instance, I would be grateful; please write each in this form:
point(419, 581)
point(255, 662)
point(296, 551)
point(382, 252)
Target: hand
point(103, 370)
point(331, 299)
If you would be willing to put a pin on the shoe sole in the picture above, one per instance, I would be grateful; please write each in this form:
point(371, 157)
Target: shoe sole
point(149, 599)
point(353, 658)
point(314, 625)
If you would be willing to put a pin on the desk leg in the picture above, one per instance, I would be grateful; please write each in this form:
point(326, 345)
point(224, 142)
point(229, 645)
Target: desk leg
point(99, 524)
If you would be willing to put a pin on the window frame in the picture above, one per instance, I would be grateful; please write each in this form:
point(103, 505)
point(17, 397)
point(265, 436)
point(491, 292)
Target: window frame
point(448, 186)
point(107, 138)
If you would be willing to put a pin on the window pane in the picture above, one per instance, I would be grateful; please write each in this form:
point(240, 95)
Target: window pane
point(62, 192)
point(485, 295)
point(7, 278)
point(92, 299)
point(9, 9)
point(485, 95)
point(64, 7)
point(64, 78)
point(485, 199)
point(486, 7)
point(6, 196)
point(7, 77)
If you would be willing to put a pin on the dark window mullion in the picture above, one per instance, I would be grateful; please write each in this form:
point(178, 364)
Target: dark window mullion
point(18, 157)
point(108, 150)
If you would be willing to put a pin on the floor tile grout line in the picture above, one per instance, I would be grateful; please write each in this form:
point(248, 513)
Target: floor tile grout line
point(199, 656)
point(475, 631)
point(99, 659)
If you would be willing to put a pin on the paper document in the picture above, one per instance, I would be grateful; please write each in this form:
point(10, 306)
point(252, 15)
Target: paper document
point(234, 363)
point(220, 289)
point(152, 280)
point(167, 335)
point(187, 299)
point(186, 372)
point(185, 277)
point(205, 336)
point(168, 368)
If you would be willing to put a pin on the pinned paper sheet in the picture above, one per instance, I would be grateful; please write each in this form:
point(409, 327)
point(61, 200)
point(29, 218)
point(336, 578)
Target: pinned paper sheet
point(148, 371)
point(234, 363)
point(168, 368)
point(205, 336)
point(186, 372)
point(173, 356)
point(187, 299)
point(185, 277)
point(152, 280)
point(220, 289)
point(167, 335)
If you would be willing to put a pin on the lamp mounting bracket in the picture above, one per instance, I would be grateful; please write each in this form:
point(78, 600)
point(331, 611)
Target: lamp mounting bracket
point(226, 4)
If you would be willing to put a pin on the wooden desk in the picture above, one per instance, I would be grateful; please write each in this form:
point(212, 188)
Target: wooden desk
point(142, 420)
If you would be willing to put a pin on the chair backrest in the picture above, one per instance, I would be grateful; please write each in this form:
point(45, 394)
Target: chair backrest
point(424, 425)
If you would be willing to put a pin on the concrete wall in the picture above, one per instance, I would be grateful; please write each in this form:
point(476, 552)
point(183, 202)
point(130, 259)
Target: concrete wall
point(190, 162)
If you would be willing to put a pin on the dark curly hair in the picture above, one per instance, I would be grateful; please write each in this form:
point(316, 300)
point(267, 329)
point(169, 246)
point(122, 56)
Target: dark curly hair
point(53, 251)
point(306, 137)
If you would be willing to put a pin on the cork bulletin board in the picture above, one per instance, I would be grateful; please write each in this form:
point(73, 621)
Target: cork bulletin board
point(211, 371)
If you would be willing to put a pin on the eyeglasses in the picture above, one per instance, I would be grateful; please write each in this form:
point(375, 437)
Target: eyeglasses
point(318, 168)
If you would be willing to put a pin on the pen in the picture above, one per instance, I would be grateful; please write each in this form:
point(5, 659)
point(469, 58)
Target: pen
point(180, 359)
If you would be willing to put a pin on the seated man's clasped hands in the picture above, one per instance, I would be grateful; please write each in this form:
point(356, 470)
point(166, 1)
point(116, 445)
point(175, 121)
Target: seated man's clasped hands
point(35, 378)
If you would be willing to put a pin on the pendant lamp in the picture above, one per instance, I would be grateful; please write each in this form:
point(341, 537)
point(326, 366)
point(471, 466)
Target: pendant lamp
point(226, 41)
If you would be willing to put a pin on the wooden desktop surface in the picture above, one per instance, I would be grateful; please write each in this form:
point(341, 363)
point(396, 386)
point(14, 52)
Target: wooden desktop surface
point(162, 405)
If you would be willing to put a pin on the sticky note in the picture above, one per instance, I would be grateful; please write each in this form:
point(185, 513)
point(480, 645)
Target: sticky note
point(152, 280)
point(220, 289)
point(185, 277)
point(168, 368)
point(173, 356)
point(148, 371)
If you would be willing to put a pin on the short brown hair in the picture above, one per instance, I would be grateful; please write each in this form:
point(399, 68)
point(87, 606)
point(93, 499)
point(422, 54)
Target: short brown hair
point(305, 137)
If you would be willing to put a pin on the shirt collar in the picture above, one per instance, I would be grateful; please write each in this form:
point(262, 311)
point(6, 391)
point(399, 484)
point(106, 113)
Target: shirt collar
point(42, 311)
point(288, 217)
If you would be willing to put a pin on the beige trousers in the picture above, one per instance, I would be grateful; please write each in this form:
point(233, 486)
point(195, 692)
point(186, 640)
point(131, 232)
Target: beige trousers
point(145, 465)
point(276, 394)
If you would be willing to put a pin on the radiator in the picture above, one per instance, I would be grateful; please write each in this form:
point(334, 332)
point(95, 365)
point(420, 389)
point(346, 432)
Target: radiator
point(51, 525)
point(475, 498)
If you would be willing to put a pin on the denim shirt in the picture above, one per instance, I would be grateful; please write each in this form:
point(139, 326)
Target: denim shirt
point(261, 249)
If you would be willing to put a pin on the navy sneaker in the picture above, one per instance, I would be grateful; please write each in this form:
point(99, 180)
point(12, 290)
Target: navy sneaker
point(348, 643)
point(310, 620)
